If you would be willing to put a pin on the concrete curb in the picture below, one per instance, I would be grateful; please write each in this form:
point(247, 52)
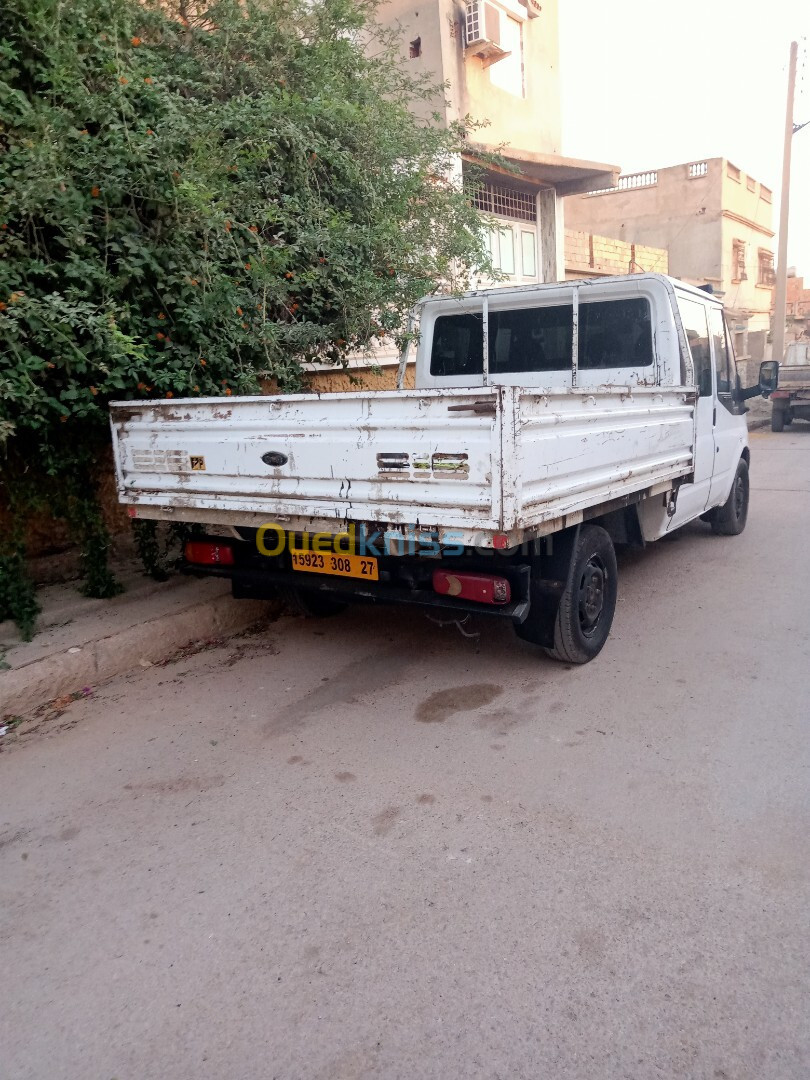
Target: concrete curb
point(33, 684)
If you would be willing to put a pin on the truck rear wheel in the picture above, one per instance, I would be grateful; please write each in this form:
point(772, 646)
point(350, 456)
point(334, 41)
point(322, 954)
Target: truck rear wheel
point(777, 419)
point(587, 605)
point(730, 518)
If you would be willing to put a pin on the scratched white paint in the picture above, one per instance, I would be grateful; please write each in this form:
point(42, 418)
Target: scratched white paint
point(503, 457)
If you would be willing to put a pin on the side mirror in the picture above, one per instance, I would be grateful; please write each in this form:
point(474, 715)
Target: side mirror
point(768, 377)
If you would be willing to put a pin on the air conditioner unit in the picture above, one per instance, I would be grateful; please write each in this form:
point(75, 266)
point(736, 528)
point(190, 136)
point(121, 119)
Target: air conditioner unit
point(483, 31)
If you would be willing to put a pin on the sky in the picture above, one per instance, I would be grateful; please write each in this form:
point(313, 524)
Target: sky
point(647, 84)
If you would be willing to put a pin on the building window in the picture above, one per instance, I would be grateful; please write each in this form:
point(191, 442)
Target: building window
point(765, 274)
point(415, 48)
point(528, 243)
point(751, 183)
point(506, 202)
point(733, 172)
point(765, 193)
point(738, 261)
point(507, 73)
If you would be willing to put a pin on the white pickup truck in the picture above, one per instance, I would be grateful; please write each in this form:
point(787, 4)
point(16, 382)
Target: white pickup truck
point(549, 423)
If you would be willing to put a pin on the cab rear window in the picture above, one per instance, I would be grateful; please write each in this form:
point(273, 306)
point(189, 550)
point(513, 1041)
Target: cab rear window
point(612, 334)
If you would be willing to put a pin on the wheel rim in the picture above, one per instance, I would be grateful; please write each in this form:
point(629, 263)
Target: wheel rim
point(739, 497)
point(592, 589)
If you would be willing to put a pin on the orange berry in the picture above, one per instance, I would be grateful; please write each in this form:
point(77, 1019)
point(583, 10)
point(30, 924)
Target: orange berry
point(196, 389)
point(141, 385)
point(149, 131)
point(228, 392)
point(247, 266)
point(50, 366)
point(93, 391)
point(202, 362)
point(3, 306)
point(159, 336)
point(123, 80)
point(3, 226)
point(162, 315)
point(289, 275)
point(227, 226)
point(84, 131)
point(169, 393)
point(63, 419)
point(95, 191)
point(253, 229)
point(135, 41)
point(148, 80)
point(238, 311)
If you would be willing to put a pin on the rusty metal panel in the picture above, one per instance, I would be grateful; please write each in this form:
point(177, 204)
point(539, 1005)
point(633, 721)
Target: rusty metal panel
point(411, 457)
point(583, 448)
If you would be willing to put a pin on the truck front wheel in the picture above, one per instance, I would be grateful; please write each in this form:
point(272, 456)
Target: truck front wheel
point(730, 518)
point(588, 602)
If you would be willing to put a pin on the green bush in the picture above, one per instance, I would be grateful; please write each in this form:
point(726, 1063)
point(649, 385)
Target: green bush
point(192, 201)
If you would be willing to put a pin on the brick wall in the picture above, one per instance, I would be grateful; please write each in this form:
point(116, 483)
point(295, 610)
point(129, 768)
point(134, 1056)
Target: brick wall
point(587, 255)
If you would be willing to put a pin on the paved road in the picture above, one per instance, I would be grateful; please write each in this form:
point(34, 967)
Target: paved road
point(371, 847)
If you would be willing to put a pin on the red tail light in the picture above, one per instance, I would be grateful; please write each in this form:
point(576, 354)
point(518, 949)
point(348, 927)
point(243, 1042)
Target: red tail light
point(207, 554)
point(484, 588)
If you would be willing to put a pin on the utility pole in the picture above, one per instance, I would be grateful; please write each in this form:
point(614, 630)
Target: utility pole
point(780, 293)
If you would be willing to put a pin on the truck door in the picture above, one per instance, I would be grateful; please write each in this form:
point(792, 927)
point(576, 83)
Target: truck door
point(692, 498)
point(729, 428)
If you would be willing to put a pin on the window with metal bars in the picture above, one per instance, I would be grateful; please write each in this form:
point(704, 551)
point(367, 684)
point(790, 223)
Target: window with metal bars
point(506, 202)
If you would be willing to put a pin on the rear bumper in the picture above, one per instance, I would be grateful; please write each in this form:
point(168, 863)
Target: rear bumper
point(261, 582)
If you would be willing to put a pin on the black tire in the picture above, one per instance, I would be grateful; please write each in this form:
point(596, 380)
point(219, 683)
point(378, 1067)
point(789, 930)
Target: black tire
point(777, 419)
point(310, 604)
point(587, 606)
point(730, 518)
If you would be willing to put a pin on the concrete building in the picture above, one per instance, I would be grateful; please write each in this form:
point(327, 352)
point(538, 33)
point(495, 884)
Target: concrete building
point(715, 223)
point(499, 60)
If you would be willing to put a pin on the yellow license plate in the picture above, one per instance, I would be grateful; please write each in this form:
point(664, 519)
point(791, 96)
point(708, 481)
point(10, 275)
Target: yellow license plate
point(329, 562)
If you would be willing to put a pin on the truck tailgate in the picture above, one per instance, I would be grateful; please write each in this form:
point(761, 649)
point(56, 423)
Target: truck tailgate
point(425, 457)
point(794, 377)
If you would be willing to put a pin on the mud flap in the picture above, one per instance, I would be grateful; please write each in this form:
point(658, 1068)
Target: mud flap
point(550, 577)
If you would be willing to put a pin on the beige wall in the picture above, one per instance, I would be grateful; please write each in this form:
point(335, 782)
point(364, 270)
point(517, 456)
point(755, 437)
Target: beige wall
point(529, 121)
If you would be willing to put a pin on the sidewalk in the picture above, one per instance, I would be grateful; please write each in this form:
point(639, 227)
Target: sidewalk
point(82, 642)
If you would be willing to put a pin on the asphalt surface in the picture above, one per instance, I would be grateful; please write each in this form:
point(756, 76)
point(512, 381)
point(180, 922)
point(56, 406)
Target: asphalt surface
point(372, 847)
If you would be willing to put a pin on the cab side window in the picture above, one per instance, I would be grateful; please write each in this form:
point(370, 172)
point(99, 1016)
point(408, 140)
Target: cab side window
point(695, 326)
point(722, 360)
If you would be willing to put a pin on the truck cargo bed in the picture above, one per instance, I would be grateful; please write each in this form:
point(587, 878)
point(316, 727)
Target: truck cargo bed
point(491, 459)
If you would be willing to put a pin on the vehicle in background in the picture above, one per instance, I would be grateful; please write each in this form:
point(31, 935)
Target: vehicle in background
point(791, 399)
point(548, 424)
